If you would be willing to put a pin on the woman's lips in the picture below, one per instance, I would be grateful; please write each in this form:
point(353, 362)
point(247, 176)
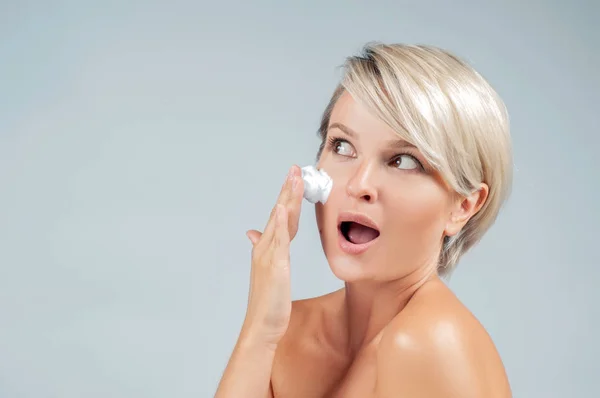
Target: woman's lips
point(357, 218)
point(347, 246)
point(353, 248)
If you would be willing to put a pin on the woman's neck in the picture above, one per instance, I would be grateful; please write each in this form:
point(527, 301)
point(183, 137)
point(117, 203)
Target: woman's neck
point(371, 306)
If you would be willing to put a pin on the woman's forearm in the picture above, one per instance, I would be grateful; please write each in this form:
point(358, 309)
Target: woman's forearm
point(248, 373)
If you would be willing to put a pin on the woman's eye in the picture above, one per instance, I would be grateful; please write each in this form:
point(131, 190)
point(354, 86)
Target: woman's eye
point(406, 162)
point(343, 148)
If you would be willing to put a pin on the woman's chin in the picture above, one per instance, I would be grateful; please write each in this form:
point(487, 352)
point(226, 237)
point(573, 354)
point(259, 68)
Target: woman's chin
point(348, 269)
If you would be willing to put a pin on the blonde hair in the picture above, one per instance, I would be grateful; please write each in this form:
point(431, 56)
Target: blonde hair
point(440, 104)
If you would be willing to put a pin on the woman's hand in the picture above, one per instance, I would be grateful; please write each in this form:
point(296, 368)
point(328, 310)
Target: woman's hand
point(248, 371)
point(269, 302)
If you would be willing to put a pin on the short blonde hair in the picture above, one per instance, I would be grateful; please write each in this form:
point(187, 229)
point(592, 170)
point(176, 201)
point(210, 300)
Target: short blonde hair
point(440, 104)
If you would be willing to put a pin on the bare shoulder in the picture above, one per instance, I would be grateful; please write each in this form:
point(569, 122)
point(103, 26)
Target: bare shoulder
point(436, 347)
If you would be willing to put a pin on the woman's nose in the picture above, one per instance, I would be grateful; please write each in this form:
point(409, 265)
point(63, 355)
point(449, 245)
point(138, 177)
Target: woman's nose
point(361, 184)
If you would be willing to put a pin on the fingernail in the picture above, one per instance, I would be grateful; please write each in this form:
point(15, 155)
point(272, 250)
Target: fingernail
point(294, 184)
point(291, 173)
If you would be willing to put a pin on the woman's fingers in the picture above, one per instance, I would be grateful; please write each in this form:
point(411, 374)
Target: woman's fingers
point(290, 197)
point(284, 193)
point(281, 239)
point(294, 206)
point(254, 236)
point(283, 199)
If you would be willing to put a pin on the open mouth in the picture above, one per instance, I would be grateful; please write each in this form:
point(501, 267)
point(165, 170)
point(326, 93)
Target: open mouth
point(357, 233)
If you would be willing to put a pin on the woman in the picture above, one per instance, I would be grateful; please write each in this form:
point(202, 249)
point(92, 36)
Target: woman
point(417, 144)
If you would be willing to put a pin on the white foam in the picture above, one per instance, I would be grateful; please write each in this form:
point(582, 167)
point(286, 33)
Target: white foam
point(317, 184)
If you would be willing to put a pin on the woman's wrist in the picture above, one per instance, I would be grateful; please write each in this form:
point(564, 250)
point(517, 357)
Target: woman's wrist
point(253, 340)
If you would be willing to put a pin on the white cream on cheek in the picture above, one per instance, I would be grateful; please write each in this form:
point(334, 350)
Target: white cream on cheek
point(317, 184)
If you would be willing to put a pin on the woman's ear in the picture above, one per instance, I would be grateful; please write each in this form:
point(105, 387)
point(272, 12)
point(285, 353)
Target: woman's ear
point(466, 207)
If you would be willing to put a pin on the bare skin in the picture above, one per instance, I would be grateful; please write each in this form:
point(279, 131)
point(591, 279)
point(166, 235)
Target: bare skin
point(433, 347)
point(395, 330)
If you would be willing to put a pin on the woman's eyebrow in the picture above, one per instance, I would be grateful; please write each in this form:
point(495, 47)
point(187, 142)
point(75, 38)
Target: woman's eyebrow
point(400, 143)
point(344, 128)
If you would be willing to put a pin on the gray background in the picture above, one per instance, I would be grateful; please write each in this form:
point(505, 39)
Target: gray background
point(139, 142)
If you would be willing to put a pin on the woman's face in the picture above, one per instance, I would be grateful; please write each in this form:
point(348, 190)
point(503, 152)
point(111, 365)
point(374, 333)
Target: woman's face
point(378, 176)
